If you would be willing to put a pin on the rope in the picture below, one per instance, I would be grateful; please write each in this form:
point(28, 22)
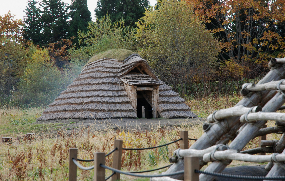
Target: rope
point(84, 160)
point(273, 157)
point(111, 152)
point(152, 169)
point(110, 176)
point(278, 86)
point(93, 159)
point(138, 175)
point(80, 166)
point(152, 147)
point(247, 115)
point(192, 139)
point(212, 157)
point(240, 176)
point(213, 116)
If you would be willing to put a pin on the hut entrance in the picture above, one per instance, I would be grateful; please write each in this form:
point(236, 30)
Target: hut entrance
point(144, 108)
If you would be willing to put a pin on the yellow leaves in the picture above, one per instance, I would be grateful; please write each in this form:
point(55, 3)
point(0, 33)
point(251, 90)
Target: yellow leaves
point(10, 28)
point(233, 69)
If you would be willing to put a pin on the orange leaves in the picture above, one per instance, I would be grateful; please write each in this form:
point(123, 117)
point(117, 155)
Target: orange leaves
point(9, 28)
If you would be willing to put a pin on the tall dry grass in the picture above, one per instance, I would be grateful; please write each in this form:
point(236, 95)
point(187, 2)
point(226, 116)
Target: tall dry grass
point(46, 157)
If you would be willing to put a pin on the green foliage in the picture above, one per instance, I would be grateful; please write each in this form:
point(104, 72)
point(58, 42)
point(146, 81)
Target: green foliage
point(176, 44)
point(42, 81)
point(101, 36)
point(12, 56)
point(129, 10)
point(33, 26)
point(47, 23)
point(80, 16)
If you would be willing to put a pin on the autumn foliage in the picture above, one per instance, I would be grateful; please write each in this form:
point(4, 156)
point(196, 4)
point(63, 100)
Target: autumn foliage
point(249, 31)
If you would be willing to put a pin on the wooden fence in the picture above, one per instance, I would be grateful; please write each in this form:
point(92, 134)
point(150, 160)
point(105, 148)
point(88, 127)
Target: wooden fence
point(99, 159)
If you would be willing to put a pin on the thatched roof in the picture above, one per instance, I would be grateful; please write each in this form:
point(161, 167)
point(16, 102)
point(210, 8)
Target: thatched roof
point(99, 92)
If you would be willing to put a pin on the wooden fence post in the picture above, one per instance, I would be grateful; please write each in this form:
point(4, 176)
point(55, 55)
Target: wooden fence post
point(72, 167)
point(99, 172)
point(263, 137)
point(117, 158)
point(184, 141)
point(190, 164)
point(143, 112)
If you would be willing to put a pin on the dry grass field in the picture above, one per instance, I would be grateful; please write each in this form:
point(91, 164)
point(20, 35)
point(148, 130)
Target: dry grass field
point(45, 157)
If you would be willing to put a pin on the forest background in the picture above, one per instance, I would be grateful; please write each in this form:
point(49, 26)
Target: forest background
point(199, 47)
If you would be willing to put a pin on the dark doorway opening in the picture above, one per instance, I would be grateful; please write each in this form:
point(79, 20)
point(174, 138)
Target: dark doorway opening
point(141, 101)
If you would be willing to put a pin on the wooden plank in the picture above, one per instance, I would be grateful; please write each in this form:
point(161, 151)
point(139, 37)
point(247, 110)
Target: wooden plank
point(184, 142)
point(99, 172)
point(190, 165)
point(72, 167)
point(144, 88)
point(117, 158)
point(264, 143)
point(247, 133)
point(260, 140)
point(7, 139)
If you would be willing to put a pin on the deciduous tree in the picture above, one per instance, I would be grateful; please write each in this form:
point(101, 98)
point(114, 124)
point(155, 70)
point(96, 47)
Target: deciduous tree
point(176, 44)
point(250, 31)
point(12, 54)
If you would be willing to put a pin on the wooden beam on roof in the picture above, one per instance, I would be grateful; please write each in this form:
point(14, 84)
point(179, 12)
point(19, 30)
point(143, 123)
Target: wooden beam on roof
point(144, 88)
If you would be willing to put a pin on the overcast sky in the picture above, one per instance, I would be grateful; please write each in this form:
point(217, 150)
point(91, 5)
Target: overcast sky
point(17, 7)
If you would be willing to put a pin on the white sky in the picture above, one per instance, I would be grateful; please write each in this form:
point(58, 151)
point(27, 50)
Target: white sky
point(17, 7)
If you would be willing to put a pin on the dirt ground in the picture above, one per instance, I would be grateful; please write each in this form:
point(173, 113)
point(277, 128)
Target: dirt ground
point(119, 124)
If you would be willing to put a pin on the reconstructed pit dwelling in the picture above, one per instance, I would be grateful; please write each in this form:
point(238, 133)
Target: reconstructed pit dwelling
point(112, 88)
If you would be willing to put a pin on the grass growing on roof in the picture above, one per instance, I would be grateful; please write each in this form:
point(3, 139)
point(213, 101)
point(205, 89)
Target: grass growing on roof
point(118, 54)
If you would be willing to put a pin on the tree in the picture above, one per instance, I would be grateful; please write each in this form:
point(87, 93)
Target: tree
point(80, 16)
point(41, 81)
point(12, 55)
point(46, 22)
point(129, 10)
point(54, 19)
point(101, 36)
point(176, 44)
point(250, 31)
point(33, 24)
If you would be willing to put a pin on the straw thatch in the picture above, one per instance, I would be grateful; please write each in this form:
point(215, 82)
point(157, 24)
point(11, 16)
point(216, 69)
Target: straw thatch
point(100, 92)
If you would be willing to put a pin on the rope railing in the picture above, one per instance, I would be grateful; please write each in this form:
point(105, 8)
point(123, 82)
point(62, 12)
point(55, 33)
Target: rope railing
point(85, 160)
point(244, 177)
point(91, 160)
point(117, 158)
point(139, 175)
point(111, 152)
point(80, 166)
point(145, 171)
point(110, 176)
point(192, 139)
point(153, 146)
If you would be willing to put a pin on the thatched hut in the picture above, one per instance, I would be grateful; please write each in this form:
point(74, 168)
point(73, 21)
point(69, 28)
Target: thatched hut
point(114, 88)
